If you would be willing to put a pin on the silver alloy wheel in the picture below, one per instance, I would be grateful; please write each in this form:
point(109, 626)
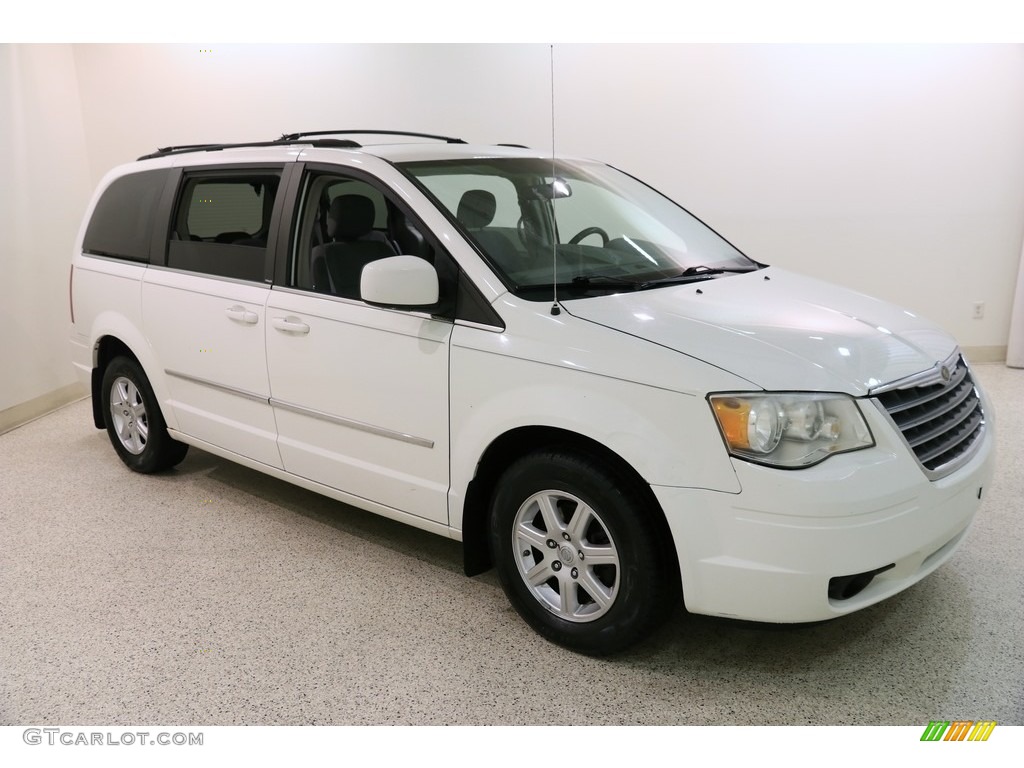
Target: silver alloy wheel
point(129, 415)
point(566, 556)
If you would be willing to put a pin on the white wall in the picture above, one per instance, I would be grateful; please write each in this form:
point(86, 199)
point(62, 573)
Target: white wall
point(895, 170)
point(898, 171)
point(138, 98)
point(44, 185)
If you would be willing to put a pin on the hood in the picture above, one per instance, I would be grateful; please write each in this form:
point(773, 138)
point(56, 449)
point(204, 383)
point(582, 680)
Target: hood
point(778, 330)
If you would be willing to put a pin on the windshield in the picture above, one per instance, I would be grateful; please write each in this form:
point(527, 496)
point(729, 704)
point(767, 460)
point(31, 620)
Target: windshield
point(605, 231)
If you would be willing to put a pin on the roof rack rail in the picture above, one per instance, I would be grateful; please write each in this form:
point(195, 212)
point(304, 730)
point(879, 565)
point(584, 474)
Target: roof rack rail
point(295, 136)
point(183, 148)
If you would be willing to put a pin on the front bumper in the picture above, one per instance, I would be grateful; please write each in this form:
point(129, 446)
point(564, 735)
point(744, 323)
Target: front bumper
point(769, 552)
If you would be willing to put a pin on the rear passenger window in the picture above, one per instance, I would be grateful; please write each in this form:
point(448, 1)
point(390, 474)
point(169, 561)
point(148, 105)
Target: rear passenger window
point(122, 224)
point(221, 224)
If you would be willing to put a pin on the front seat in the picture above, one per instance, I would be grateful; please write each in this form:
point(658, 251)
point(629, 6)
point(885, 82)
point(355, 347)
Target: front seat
point(337, 265)
point(475, 213)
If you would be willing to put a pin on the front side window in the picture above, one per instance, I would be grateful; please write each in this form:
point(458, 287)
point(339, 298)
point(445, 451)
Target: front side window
point(221, 224)
point(346, 223)
point(585, 226)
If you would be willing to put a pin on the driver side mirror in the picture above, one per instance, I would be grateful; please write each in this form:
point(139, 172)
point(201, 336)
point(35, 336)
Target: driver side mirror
point(400, 282)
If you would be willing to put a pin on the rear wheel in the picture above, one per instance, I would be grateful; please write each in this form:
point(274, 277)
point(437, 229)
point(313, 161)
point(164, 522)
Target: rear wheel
point(577, 552)
point(134, 423)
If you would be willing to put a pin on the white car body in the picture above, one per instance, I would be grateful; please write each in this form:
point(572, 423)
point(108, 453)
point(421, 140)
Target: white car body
point(392, 411)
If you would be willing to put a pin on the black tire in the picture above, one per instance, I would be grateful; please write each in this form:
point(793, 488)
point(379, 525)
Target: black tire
point(597, 606)
point(134, 423)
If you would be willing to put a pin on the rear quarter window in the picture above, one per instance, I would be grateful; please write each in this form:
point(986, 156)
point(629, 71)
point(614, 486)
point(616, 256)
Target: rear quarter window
point(122, 221)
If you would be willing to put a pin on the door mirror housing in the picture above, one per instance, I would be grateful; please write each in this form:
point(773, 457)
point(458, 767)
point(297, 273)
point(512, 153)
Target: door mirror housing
point(399, 282)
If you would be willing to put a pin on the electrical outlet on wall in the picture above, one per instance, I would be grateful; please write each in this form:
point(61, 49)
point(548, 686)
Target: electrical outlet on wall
point(979, 310)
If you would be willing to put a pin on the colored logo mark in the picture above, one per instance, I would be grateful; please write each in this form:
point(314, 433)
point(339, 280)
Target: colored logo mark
point(958, 730)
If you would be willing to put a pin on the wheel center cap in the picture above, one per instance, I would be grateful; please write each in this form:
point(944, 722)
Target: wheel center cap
point(566, 554)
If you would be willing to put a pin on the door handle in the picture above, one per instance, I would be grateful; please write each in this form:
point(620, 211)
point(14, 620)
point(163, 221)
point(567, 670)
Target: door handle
point(290, 324)
point(240, 314)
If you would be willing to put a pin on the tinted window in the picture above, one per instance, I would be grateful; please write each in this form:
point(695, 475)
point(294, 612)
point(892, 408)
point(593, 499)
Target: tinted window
point(223, 207)
point(122, 222)
point(221, 224)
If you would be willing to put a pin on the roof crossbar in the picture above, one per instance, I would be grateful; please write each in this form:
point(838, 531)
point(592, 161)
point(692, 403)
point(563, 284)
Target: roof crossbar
point(448, 139)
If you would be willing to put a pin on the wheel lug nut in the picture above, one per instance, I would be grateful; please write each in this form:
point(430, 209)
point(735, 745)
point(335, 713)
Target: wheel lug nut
point(551, 543)
point(526, 553)
point(575, 572)
point(579, 554)
point(566, 536)
point(556, 566)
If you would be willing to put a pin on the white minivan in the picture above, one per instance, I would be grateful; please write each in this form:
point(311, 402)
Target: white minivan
point(544, 359)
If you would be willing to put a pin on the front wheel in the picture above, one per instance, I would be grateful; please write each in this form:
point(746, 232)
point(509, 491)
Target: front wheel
point(133, 419)
point(577, 552)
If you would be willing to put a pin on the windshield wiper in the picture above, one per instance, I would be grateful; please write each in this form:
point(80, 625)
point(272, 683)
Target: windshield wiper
point(587, 283)
point(601, 281)
point(582, 283)
point(692, 274)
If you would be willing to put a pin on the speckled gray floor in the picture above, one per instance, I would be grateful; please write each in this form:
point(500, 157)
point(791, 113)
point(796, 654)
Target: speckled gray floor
point(214, 595)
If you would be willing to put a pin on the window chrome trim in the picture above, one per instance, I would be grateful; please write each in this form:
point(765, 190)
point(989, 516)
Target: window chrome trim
point(208, 276)
point(479, 326)
point(309, 293)
point(111, 257)
point(353, 424)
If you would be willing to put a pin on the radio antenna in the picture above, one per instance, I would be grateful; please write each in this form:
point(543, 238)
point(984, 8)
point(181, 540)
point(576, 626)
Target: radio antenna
point(555, 309)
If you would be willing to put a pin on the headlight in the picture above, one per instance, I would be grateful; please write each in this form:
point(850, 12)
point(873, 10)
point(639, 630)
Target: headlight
point(789, 430)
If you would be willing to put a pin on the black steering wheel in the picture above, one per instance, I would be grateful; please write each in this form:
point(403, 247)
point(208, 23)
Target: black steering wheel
point(587, 233)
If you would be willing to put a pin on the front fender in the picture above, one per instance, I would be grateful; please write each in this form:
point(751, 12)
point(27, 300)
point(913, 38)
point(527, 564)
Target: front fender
point(669, 438)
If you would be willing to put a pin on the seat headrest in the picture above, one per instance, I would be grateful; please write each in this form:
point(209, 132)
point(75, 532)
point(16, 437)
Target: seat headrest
point(350, 217)
point(476, 208)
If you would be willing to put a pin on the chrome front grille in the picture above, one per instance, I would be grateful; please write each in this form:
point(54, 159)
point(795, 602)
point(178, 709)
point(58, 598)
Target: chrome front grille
point(942, 421)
